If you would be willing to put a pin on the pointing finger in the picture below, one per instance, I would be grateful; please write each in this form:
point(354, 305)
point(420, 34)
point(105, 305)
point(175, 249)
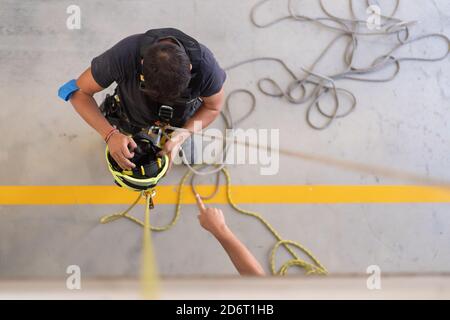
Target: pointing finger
point(200, 203)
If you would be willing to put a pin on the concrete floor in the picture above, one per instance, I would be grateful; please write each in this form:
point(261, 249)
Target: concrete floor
point(401, 124)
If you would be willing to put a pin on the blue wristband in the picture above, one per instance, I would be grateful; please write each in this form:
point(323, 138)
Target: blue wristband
point(66, 91)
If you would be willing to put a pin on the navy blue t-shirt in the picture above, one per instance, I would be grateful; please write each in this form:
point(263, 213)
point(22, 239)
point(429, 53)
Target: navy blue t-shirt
point(121, 64)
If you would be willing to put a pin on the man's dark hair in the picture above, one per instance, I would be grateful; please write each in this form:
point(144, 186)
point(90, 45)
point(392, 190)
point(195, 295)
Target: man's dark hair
point(166, 71)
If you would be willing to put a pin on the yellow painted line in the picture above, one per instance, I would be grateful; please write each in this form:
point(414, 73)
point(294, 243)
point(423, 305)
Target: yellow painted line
point(81, 195)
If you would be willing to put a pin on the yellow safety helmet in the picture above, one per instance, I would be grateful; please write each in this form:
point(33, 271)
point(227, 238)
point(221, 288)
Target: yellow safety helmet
point(150, 167)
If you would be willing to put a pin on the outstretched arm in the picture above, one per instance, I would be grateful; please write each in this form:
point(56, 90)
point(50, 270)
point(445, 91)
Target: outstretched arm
point(213, 220)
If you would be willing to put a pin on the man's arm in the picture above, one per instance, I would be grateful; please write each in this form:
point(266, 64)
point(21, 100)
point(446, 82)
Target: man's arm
point(208, 112)
point(84, 103)
point(213, 220)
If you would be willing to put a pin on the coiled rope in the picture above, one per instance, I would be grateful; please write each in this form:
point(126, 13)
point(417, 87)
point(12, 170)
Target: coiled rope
point(313, 87)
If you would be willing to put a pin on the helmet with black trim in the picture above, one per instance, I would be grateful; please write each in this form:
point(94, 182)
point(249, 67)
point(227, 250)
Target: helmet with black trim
point(150, 167)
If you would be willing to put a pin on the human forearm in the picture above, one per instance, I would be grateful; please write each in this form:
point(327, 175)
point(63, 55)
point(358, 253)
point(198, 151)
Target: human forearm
point(87, 108)
point(205, 116)
point(241, 257)
point(213, 220)
point(207, 113)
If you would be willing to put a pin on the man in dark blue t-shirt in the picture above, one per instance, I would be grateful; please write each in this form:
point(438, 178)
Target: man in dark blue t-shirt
point(163, 67)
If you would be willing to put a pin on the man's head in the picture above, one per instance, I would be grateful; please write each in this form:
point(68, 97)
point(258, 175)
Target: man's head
point(167, 71)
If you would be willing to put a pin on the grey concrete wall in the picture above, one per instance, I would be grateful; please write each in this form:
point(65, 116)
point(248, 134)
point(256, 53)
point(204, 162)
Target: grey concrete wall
point(402, 124)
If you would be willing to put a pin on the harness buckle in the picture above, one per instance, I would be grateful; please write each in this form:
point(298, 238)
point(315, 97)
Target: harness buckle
point(165, 113)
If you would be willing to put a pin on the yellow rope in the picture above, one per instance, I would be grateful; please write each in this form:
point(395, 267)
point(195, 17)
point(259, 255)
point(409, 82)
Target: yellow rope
point(315, 268)
point(124, 214)
point(149, 273)
point(310, 268)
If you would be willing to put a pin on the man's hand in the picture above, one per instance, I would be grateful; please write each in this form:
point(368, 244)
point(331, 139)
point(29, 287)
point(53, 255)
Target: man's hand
point(172, 146)
point(119, 147)
point(211, 219)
